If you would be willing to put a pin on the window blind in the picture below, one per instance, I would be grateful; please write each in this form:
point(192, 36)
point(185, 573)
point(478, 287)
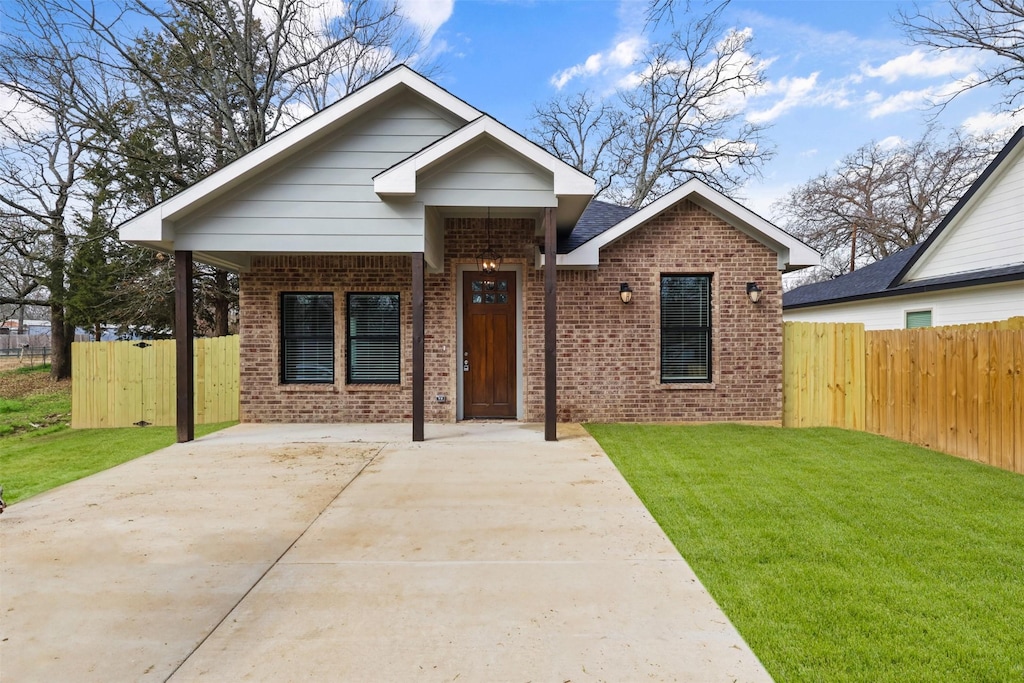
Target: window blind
point(685, 328)
point(307, 338)
point(374, 339)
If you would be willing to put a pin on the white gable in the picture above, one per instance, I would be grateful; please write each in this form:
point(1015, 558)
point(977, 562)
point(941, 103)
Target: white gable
point(988, 230)
point(305, 173)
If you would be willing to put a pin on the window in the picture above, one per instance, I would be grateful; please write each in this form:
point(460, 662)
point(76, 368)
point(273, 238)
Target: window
point(919, 319)
point(374, 344)
point(685, 328)
point(307, 338)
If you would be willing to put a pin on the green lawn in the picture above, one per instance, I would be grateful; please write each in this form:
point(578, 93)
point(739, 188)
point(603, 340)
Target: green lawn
point(38, 451)
point(842, 556)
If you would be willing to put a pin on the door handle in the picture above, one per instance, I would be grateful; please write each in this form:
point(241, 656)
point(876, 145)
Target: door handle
point(465, 365)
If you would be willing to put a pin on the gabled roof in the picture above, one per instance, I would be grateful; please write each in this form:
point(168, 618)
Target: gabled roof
point(149, 225)
point(886, 277)
point(400, 179)
point(938, 232)
point(792, 253)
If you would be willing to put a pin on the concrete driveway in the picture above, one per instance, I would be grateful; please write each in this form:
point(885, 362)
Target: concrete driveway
point(347, 553)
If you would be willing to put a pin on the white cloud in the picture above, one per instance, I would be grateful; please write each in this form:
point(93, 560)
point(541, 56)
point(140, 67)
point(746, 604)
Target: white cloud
point(795, 92)
point(20, 115)
point(903, 101)
point(427, 15)
point(986, 122)
point(622, 55)
point(908, 100)
point(919, 64)
point(890, 143)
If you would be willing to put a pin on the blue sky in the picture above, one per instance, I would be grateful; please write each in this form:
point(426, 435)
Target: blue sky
point(840, 72)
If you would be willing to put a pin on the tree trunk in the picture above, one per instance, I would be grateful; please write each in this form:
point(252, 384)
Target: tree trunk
point(61, 336)
point(221, 304)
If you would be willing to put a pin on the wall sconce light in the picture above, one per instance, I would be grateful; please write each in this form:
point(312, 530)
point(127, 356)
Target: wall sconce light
point(625, 293)
point(754, 292)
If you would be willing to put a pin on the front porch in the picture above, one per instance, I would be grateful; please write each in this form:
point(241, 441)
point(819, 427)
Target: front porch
point(456, 357)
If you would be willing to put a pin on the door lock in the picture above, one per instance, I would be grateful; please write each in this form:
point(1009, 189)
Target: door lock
point(465, 365)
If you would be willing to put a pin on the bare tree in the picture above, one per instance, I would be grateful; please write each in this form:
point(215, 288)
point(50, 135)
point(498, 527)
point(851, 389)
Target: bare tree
point(880, 200)
point(160, 94)
point(42, 148)
point(991, 27)
point(680, 118)
point(582, 131)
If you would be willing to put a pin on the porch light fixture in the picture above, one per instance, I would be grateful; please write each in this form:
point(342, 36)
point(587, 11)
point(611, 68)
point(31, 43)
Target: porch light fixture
point(488, 260)
point(754, 292)
point(625, 293)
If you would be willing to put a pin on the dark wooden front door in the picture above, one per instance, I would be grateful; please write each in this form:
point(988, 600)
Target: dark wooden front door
point(489, 344)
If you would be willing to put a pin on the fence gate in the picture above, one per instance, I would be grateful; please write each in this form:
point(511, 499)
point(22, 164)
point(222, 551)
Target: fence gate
point(121, 384)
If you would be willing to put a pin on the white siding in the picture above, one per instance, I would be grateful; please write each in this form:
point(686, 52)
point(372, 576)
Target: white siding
point(487, 176)
point(987, 234)
point(949, 307)
point(324, 200)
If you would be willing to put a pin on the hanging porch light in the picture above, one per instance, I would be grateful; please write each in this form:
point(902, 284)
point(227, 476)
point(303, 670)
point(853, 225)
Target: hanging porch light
point(488, 260)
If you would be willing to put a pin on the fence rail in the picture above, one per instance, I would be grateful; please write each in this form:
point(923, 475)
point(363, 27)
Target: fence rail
point(957, 389)
point(120, 384)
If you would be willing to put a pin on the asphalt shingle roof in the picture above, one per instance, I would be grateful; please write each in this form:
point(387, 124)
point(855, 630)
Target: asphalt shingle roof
point(597, 218)
point(870, 279)
point(877, 280)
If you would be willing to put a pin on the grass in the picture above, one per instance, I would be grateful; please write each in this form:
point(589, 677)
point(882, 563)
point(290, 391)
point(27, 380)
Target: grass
point(38, 451)
point(842, 556)
point(33, 406)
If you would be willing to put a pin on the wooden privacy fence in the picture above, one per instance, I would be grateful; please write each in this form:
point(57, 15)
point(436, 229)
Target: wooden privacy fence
point(120, 384)
point(956, 389)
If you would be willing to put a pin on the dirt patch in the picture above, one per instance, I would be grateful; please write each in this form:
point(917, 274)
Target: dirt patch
point(19, 385)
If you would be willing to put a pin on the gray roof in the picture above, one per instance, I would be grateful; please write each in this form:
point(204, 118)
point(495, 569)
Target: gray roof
point(877, 280)
point(882, 278)
point(597, 218)
point(870, 279)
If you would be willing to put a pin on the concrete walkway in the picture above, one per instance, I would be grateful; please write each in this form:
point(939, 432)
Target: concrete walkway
point(347, 553)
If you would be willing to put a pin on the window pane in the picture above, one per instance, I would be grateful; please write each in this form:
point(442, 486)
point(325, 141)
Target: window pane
point(684, 356)
point(919, 319)
point(307, 338)
point(374, 361)
point(309, 360)
point(686, 328)
point(374, 339)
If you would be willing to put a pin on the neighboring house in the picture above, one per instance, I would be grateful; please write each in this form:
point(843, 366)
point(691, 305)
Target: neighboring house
point(359, 235)
point(25, 327)
point(969, 270)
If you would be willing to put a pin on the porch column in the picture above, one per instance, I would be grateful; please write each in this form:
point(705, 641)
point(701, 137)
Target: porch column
point(417, 346)
point(550, 328)
point(184, 329)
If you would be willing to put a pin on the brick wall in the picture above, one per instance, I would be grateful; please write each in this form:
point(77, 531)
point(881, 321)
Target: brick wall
point(608, 352)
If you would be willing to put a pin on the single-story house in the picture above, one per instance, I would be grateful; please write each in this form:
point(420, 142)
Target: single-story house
point(969, 270)
point(404, 256)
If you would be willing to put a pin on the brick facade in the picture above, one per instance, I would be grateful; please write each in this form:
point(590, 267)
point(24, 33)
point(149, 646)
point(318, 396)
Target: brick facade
point(608, 352)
